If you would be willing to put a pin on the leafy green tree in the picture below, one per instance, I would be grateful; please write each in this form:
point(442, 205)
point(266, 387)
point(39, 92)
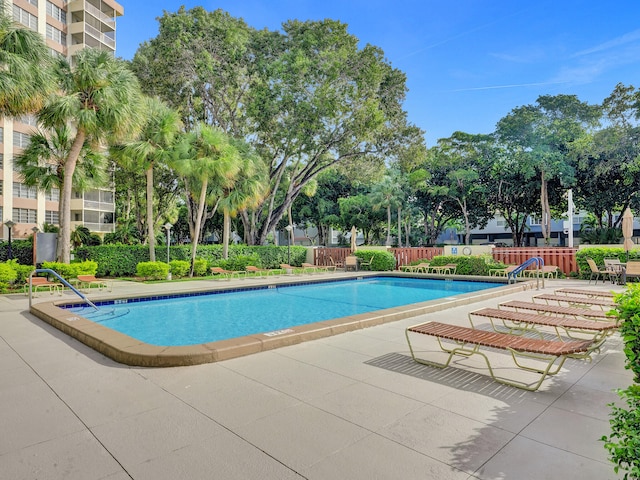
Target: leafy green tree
point(99, 99)
point(80, 236)
point(540, 137)
point(154, 145)
point(41, 163)
point(320, 100)
point(205, 158)
point(26, 73)
point(461, 157)
point(608, 161)
point(386, 195)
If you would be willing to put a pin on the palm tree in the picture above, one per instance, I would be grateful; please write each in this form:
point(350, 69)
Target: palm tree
point(26, 76)
point(205, 158)
point(99, 98)
point(154, 143)
point(246, 190)
point(386, 195)
point(42, 162)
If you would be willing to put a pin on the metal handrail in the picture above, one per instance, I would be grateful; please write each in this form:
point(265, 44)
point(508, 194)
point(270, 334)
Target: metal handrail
point(62, 280)
point(539, 261)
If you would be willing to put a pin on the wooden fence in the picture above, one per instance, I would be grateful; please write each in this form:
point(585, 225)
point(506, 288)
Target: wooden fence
point(563, 258)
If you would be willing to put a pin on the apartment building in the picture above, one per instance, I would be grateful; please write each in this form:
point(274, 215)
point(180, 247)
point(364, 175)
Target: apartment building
point(67, 26)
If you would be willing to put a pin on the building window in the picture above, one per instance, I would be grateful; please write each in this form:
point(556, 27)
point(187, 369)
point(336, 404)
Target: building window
point(52, 195)
point(51, 217)
point(534, 220)
point(33, 2)
point(1, 188)
point(56, 35)
point(20, 190)
point(25, 18)
point(2, 161)
point(56, 12)
point(28, 119)
point(1, 135)
point(21, 140)
point(25, 215)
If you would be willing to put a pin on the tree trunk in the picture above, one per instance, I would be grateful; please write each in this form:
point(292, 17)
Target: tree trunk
point(64, 235)
point(388, 242)
point(150, 222)
point(196, 233)
point(399, 228)
point(545, 221)
point(226, 233)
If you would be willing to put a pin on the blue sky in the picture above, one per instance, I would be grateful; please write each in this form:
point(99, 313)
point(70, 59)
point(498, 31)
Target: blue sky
point(468, 62)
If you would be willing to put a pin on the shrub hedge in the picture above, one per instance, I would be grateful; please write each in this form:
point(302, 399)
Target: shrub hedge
point(121, 260)
point(21, 250)
point(599, 254)
point(382, 260)
point(152, 270)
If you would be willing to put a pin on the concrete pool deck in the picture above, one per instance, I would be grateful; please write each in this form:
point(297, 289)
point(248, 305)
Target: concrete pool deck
point(350, 406)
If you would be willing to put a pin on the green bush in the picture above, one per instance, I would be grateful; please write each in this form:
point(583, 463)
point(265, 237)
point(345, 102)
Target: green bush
point(240, 262)
point(22, 271)
point(179, 268)
point(21, 250)
point(599, 254)
point(7, 276)
point(624, 442)
point(88, 267)
point(200, 267)
point(628, 311)
point(152, 270)
point(382, 261)
point(465, 265)
point(121, 260)
point(65, 270)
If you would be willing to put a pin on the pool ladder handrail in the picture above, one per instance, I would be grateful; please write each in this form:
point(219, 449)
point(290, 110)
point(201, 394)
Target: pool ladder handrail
point(62, 280)
point(539, 261)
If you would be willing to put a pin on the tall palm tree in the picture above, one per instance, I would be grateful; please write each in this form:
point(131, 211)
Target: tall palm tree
point(99, 98)
point(205, 158)
point(159, 130)
point(26, 74)
point(246, 190)
point(386, 195)
point(42, 162)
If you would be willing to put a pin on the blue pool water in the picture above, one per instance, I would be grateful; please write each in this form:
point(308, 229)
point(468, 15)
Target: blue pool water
point(189, 320)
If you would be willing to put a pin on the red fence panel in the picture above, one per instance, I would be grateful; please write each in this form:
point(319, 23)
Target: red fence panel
point(562, 257)
point(405, 256)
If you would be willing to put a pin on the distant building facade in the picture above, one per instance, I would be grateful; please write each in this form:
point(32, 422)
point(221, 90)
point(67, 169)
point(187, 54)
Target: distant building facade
point(68, 27)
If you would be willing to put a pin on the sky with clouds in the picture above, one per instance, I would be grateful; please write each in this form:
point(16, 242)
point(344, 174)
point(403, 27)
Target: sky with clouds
point(468, 63)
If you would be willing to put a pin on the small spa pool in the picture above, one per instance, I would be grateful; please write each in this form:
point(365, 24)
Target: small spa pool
point(228, 321)
point(190, 320)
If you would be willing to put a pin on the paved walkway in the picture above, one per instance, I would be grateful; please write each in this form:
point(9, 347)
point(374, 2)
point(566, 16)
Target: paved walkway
point(353, 406)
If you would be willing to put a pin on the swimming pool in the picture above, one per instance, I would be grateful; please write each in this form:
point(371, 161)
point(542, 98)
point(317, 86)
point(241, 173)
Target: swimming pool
point(124, 348)
point(189, 320)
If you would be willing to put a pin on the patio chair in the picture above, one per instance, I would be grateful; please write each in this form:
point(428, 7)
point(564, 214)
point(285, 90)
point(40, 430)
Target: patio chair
point(420, 267)
point(597, 272)
point(223, 273)
point(311, 268)
point(42, 283)
point(89, 281)
point(260, 272)
point(502, 272)
point(351, 263)
point(632, 269)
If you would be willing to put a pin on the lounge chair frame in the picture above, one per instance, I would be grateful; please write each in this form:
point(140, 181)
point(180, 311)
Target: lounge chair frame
point(543, 308)
point(588, 293)
point(468, 342)
point(520, 323)
point(575, 301)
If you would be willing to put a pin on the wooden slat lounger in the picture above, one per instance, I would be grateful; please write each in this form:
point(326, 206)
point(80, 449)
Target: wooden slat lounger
point(558, 310)
point(588, 293)
point(521, 322)
point(469, 341)
point(590, 301)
